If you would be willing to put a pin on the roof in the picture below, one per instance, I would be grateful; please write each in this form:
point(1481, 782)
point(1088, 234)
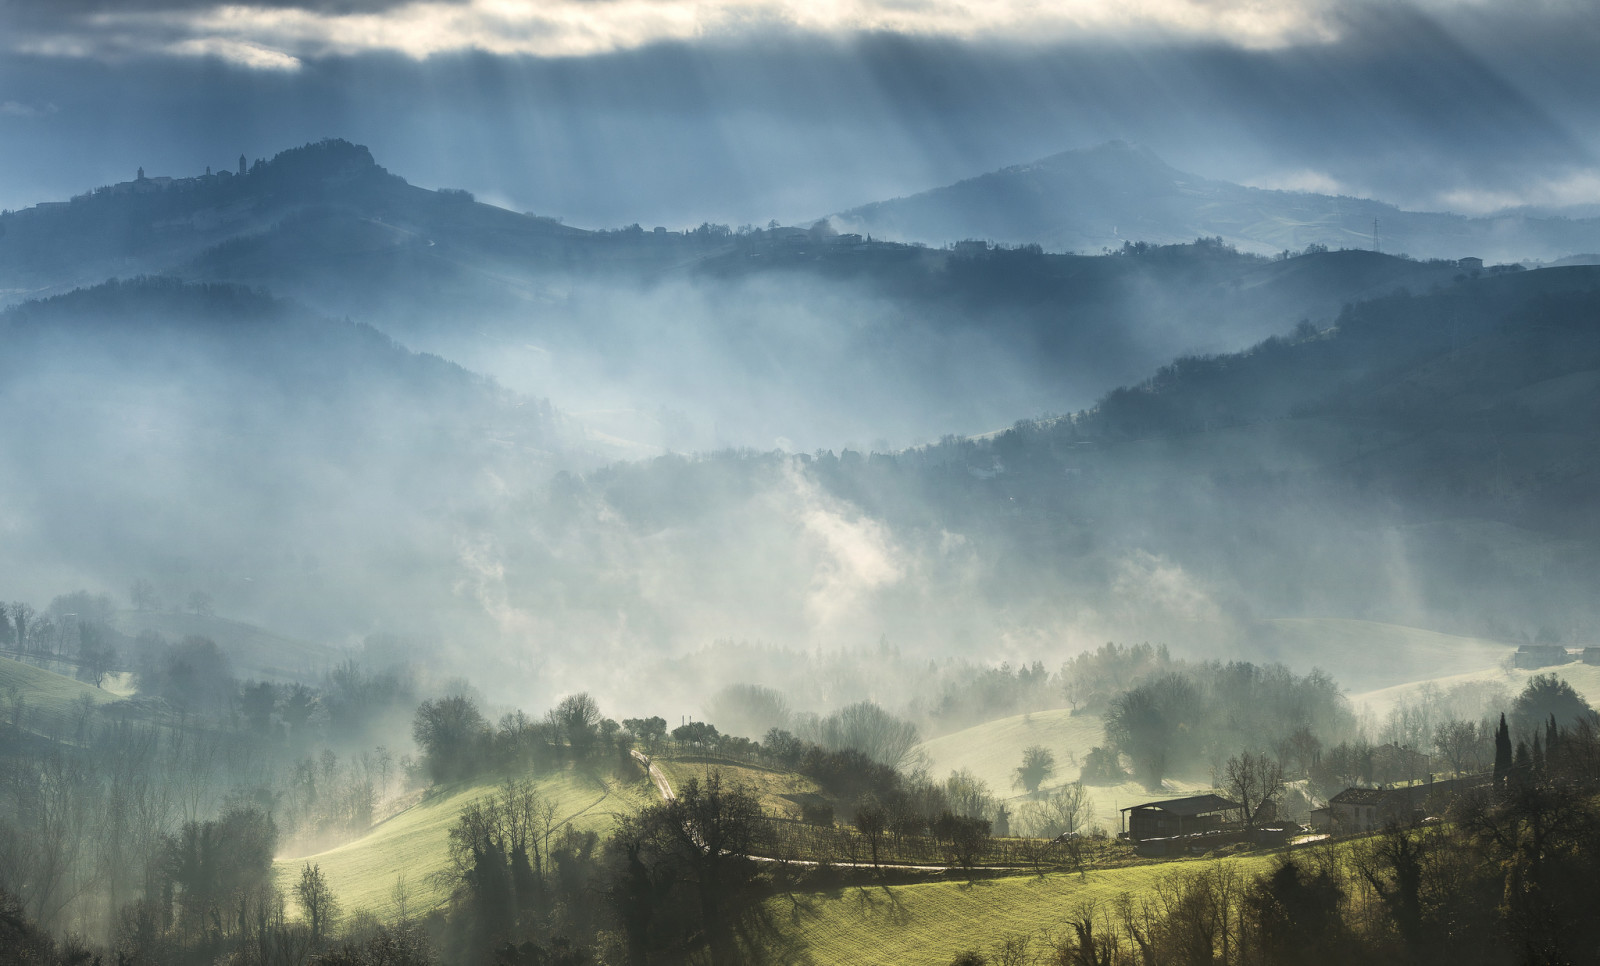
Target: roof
point(1360, 796)
point(1191, 806)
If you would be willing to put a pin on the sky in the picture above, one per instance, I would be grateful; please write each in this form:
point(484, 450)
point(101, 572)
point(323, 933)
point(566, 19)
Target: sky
point(674, 112)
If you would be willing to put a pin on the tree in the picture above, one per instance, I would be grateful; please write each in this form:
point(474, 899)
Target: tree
point(1502, 751)
point(451, 732)
point(577, 717)
point(1154, 724)
point(1544, 696)
point(699, 734)
point(1102, 766)
point(317, 901)
point(143, 595)
point(872, 821)
point(869, 729)
point(1038, 766)
point(96, 656)
point(21, 617)
point(649, 731)
point(1457, 743)
point(1060, 813)
point(1253, 781)
point(200, 603)
point(701, 840)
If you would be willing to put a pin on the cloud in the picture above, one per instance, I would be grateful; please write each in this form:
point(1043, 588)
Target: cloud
point(20, 109)
point(1572, 188)
point(277, 36)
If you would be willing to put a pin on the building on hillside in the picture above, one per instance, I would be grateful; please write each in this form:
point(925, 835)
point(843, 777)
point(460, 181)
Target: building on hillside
point(1530, 656)
point(1471, 264)
point(1180, 816)
point(1366, 809)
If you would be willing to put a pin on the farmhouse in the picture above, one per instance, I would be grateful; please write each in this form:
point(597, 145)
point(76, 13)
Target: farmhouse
point(1531, 656)
point(1366, 809)
point(1180, 816)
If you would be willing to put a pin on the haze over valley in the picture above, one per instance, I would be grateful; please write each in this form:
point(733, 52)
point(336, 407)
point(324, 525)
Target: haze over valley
point(848, 485)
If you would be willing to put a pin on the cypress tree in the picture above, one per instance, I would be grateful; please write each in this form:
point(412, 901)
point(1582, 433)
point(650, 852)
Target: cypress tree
point(1502, 751)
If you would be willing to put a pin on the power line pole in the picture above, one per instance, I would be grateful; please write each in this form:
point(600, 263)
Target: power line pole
point(1375, 246)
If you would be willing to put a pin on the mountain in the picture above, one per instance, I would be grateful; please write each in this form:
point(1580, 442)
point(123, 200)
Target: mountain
point(815, 338)
point(1117, 193)
point(213, 439)
point(1426, 460)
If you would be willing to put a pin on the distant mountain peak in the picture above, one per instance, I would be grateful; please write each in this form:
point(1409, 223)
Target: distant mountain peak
point(1099, 197)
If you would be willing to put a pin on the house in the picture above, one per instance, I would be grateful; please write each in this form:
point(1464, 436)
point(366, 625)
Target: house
point(1530, 656)
point(1367, 809)
point(1361, 810)
point(1471, 264)
point(1180, 816)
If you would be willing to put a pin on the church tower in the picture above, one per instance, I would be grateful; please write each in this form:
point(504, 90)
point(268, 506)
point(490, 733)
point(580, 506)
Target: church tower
point(139, 176)
point(241, 164)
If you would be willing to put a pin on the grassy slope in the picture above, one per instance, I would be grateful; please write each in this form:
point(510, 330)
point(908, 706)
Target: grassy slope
point(929, 923)
point(993, 750)
point(50, 700)
point(778, 790)
point(416, 841)
point(1584, 678)
point(1365, 654)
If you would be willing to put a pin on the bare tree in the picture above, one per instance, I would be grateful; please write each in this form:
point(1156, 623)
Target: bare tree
point(1457, 742)
point(143, 595)
point(1253, 780)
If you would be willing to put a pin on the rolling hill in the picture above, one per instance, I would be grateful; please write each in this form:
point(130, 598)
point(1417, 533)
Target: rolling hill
point(254, 651)
point(993, 750)
point(415, 842)
point(46, 703)
point(929, 924)
point(1104, 196)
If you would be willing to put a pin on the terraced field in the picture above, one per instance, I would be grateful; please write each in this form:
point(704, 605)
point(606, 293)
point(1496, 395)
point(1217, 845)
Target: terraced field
point(415, 841)
point(928, 924)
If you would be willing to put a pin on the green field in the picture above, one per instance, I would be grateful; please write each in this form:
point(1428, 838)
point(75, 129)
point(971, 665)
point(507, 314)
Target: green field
point(415, 841)
point(929, 923)
point(993, 750)
point(50, 701)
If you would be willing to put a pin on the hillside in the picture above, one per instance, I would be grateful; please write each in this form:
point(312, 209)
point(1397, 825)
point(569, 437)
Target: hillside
point(1584, 678)
point(929, 924)
point(254, 651)
point(47, 703)
point(415, 842)
point(1101, 197)
point(815, 338)
point(214, 439)
point(993, 750)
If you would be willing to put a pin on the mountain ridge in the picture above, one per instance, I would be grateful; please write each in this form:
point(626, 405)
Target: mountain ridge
point(1115, 193)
